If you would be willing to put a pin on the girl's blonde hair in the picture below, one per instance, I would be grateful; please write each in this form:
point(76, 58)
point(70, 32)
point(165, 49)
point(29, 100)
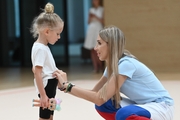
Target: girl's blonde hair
point(46, 19)
point(116, 48)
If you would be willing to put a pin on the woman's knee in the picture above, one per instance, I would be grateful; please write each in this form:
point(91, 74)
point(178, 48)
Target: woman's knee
point(125, 112)
point(107, 110)
point(107, 107)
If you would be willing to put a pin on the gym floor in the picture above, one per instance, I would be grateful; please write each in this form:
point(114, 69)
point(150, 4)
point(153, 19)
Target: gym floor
point(17, 91)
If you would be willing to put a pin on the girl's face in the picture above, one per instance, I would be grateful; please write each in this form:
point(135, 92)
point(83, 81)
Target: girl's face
point(102, 49)
point(54, 35)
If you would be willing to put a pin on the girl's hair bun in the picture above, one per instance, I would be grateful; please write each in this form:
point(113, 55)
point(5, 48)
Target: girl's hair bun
point(49, 8)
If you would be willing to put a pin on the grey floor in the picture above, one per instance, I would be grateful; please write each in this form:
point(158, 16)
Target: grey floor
point(17, 91)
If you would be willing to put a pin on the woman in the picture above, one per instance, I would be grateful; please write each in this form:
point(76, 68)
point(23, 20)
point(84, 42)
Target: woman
point(145, 97)
point(95, 21)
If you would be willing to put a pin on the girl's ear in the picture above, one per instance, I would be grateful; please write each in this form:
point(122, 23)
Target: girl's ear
point(46, 31)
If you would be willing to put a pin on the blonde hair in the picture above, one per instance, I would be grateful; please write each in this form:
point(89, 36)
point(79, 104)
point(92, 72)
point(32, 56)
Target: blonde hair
point(116, 44)
point(46, 19)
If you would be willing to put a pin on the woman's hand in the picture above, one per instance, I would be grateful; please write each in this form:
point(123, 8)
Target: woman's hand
point(61, 76)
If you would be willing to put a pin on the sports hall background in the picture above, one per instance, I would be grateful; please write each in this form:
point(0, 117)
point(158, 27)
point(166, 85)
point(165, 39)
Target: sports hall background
point(151, 28)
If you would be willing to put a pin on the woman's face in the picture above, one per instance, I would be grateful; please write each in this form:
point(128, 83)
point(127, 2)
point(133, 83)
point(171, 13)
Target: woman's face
point(101, 48)
point(96, 3)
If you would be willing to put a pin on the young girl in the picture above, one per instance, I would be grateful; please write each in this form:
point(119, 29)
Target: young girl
point(47, 28)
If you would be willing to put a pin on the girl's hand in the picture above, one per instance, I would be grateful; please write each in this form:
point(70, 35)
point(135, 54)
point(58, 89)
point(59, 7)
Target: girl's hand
point(44, 101)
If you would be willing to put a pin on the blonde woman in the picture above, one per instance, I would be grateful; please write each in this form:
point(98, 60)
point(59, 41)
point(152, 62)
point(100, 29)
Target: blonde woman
point(146, 98)
point(46, 29)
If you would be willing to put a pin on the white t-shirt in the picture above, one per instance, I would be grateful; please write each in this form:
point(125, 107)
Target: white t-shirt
point(93, 29)
point(97, 11)
point(42, 56)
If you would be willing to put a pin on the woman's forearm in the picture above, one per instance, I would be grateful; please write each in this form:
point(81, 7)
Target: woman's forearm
point(89, 95)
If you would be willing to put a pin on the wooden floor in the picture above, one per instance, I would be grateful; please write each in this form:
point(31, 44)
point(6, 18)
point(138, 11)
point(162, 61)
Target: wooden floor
point(18, 82)
point(15, 77)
